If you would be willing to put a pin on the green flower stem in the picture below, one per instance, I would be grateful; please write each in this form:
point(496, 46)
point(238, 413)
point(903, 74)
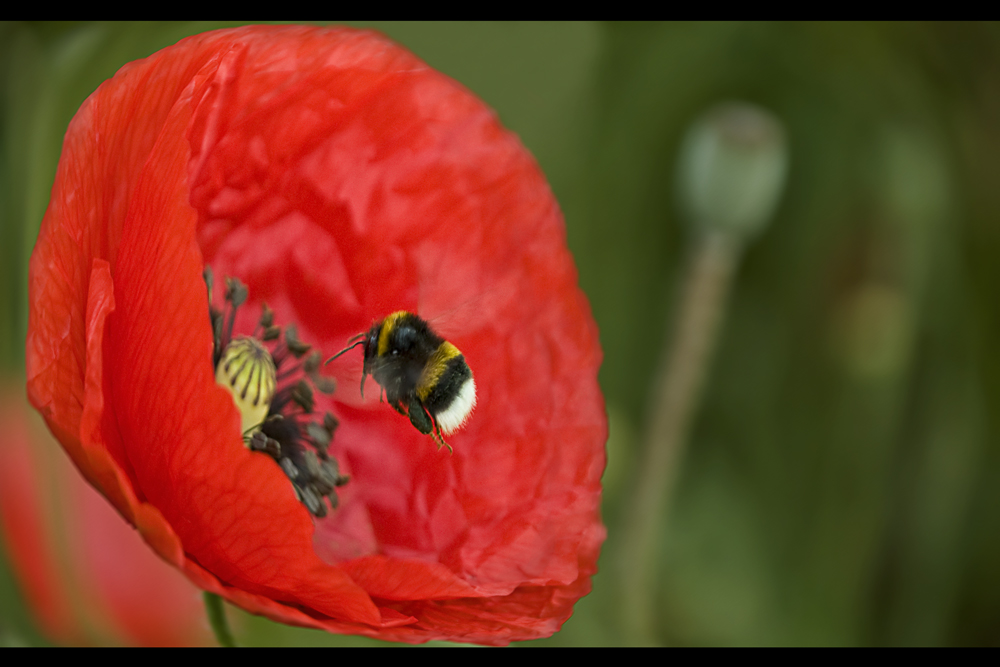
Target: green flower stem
point(674, 400)
point(217, 619)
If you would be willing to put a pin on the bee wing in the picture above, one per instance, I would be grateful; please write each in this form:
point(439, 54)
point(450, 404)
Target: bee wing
point(463, 311)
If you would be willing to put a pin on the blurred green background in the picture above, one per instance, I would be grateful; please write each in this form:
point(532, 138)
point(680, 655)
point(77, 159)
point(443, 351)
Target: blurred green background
point(842, 480)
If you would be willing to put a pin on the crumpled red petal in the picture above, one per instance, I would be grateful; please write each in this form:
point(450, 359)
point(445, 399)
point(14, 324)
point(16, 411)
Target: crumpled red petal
point(341, 179)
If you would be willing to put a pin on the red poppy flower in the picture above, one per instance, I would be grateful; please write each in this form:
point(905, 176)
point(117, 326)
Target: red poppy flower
point(85, 574)
point(341, 180)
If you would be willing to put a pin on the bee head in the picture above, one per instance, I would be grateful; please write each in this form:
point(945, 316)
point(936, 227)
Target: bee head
point(389, 337)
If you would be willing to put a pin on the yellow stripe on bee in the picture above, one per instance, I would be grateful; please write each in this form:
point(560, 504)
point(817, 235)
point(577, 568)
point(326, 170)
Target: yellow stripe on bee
point(435, 368)
point(388, 324)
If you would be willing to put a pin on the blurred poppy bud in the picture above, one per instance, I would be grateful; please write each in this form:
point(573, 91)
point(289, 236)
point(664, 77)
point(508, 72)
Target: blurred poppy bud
point(732, 169)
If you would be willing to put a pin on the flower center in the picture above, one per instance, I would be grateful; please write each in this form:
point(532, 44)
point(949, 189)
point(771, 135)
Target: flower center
point(247, 370)
point(271, 376)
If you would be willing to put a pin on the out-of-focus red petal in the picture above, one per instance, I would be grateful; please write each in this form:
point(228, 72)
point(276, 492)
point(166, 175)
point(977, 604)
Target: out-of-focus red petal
point(86, 574)
point(341, 179)
point(28, 541)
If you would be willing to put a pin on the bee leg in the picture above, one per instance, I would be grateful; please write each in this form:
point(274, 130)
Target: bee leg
point(441, 441)
point(419, 417)
point(398, 407)
point(439, 437)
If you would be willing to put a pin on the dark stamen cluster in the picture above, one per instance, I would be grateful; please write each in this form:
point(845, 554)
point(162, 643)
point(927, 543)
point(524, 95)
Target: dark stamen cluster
point(290, 434)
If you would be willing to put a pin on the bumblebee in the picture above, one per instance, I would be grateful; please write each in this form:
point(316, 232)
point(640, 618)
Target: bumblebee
point(423, 376)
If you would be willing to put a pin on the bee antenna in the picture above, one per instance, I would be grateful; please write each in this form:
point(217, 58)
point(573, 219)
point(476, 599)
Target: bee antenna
point(358, 340)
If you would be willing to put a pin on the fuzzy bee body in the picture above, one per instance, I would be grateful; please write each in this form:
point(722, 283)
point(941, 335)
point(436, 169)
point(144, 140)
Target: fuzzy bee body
point(423, 376)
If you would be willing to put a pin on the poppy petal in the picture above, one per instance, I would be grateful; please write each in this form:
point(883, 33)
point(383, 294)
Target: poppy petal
point(341, 179)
